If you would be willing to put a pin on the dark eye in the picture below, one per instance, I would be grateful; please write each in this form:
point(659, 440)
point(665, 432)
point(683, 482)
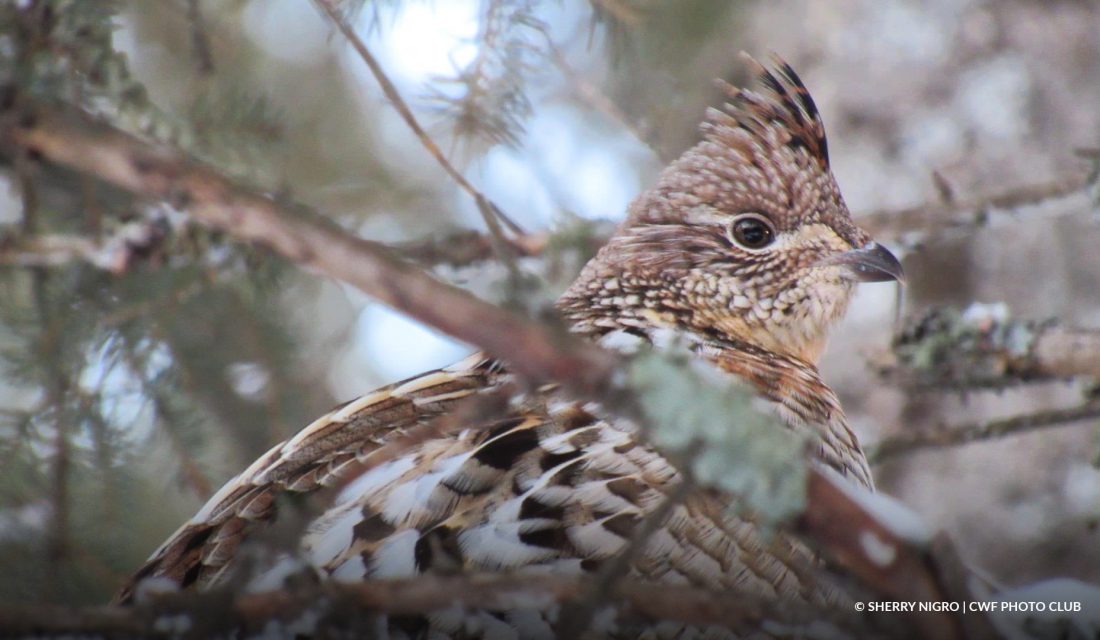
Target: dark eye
point(752, 232)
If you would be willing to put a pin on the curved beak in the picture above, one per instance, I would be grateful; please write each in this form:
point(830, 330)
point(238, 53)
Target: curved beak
point(870, 263)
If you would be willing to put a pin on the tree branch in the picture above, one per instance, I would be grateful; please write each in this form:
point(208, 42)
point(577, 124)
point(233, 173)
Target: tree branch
point(953, 436)
point(68, 138)
point(905, 226)
point(335, 607)
point(489, 211)
point(468, 247)
point(982, 346)
point(115, 253)
point(969, 213)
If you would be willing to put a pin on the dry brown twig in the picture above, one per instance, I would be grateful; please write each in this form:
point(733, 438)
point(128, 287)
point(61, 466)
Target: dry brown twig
point(957, 435)
point(968, 213)
point(832, 517)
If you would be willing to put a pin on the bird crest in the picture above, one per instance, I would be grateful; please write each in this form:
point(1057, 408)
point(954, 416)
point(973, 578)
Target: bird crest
point(781, 112)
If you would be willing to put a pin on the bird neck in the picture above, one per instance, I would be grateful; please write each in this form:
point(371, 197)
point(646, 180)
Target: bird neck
point(793, 385)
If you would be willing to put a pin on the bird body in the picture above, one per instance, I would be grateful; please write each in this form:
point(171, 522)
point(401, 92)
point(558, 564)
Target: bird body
point(745, 248)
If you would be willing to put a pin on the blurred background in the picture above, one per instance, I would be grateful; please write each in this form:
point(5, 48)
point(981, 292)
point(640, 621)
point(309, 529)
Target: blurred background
point(139, 376)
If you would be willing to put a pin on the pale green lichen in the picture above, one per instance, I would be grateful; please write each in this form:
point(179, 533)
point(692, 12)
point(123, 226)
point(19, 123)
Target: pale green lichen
point(980, 346)
point(728, 443)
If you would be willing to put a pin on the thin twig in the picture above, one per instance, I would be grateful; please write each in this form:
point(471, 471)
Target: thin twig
point(887, 225)
point(193, 477)
point(492, 214)
point(200, 40)
point(597, 100)
point(967, 213)
point(464, 248)
point(953, 436)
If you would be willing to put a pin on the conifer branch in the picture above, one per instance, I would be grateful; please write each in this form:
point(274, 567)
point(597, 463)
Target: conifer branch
point(490, 212)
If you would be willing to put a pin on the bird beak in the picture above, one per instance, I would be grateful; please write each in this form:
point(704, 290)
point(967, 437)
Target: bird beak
point(871, 263)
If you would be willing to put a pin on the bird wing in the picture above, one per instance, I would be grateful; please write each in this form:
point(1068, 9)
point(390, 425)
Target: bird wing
point(547, 484)
point(550, 485)
point(317, 457)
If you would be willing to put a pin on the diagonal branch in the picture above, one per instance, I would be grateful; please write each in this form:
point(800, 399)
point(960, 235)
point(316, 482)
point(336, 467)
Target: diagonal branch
point(70, 139)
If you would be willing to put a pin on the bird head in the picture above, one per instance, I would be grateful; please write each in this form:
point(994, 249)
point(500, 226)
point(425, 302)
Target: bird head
point(745, 236)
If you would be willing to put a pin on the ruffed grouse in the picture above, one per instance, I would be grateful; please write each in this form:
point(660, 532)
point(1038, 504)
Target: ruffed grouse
point(744, 246)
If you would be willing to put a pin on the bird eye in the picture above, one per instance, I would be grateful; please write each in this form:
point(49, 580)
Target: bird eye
point(752, 232)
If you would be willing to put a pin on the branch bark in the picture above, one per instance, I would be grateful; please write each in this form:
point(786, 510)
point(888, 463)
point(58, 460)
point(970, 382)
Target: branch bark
point(969, 213)
point(68, 138)
point(1063, 352)
point(335, 607)
point(955, 436)
point(983, 346)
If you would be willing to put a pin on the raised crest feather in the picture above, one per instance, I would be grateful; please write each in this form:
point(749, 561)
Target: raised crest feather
point(783, 105)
